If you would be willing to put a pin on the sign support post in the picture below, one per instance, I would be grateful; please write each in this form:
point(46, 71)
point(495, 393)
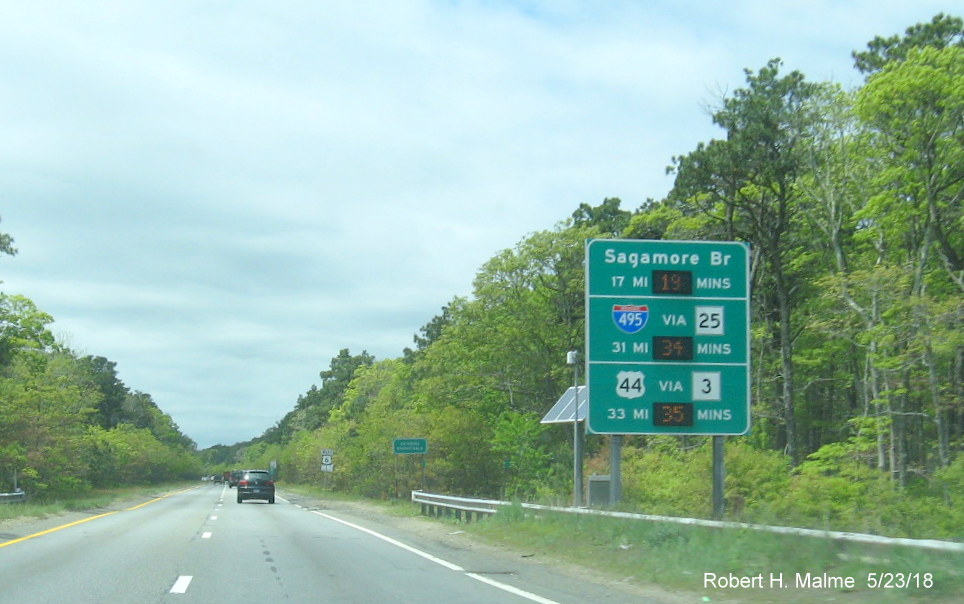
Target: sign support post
point(578, 434)
point(719, 474)
point(615, 469)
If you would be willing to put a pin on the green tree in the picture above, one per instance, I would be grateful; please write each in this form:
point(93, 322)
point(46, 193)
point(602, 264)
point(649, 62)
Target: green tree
point(747, 188)
point(45, 408)
point(313, 408)
point(506, 348)
point(915, 110)
point(835, 381)
point(608, 218)
point(126, 455)
point(103, 373)
point(430, 332)
point(6, 245)
point(519, 439)
point(22, 327)
point(504, 351)
point(942, 31)
point(376, 410)
point(664, 220)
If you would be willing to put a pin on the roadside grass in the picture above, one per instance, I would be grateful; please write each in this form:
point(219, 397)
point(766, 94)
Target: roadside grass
point(88, 500)
point(678, 557)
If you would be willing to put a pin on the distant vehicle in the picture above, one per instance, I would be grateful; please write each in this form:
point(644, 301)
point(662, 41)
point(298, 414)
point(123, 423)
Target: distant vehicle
point(218, 478)
point(256, 484)
point(234, 478)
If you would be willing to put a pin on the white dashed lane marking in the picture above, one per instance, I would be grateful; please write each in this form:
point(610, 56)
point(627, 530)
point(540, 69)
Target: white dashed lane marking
point(180, 586)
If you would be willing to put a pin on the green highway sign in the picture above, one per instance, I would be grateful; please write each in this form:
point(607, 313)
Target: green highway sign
point(410, 446)
point(668, 336)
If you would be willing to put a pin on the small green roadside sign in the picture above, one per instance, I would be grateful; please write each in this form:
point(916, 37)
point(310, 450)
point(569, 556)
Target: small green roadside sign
point(410, 446)
point(667, 336)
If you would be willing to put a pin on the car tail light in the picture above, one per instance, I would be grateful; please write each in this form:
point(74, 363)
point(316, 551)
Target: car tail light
point(243, 483)
point(270, 483)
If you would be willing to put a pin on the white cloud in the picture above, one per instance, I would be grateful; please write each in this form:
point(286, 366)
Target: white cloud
point(220, 196)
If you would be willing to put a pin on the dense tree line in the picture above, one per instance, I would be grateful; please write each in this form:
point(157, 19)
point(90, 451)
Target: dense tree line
point(68, 423)
point(851, 201)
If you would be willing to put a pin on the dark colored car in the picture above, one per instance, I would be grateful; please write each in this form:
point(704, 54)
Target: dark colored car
point(235, 478)
point(256, 484)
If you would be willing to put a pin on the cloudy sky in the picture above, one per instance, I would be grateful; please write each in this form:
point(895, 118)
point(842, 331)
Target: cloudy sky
point(221, 195)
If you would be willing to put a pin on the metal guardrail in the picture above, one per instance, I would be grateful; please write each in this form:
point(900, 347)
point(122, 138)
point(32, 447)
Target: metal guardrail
point(16, 496)
point(438, 505)
point(433, 504)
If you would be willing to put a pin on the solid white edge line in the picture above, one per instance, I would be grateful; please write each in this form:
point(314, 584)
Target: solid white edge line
point(445, 563)
point(180, 586)
point(395, 542)
point(512, 590)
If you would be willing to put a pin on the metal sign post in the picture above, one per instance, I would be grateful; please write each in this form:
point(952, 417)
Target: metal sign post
point(578, 434)
point(719, 474)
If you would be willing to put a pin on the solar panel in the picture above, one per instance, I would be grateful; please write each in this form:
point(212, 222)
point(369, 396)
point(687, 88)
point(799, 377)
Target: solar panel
point(564, 411)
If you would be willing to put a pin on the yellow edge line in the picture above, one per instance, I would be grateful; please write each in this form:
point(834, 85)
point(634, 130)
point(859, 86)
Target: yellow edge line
point(56, 528)
point(68, 525)
point(140, 505)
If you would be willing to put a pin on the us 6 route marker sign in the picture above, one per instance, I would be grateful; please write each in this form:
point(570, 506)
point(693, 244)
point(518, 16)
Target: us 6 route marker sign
point(668, 337)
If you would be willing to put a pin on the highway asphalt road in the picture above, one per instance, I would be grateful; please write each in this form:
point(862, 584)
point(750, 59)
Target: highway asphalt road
point(199, 545)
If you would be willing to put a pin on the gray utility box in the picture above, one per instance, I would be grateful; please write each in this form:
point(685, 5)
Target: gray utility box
point(599, 490)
